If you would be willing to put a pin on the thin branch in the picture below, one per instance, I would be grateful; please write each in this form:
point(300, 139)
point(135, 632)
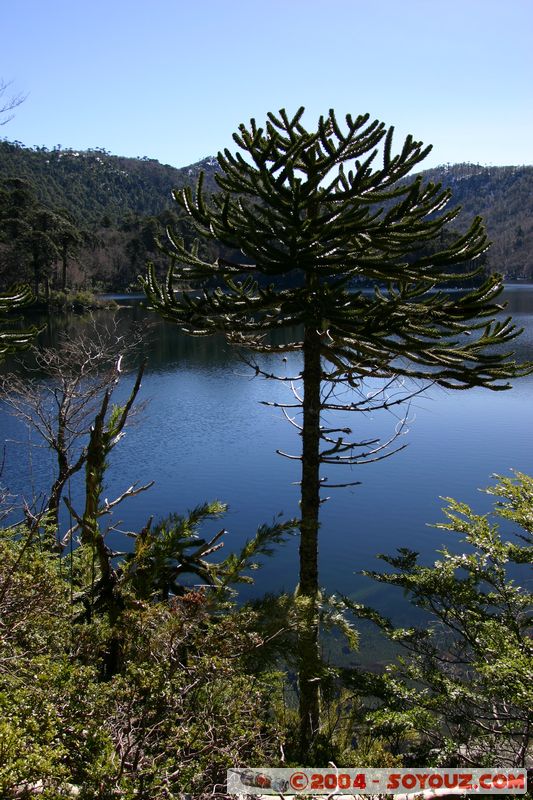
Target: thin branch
point(363, 458)
point(107, 508)
point(287, 455)
point(292, 421)
point(132, 491)
point(340, 485)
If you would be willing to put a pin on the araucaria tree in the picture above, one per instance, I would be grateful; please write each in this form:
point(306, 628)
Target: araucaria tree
point(14, 340)
point(318, 220)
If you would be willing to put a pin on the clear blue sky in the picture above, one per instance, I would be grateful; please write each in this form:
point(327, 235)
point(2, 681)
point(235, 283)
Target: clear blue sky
point(171, 79)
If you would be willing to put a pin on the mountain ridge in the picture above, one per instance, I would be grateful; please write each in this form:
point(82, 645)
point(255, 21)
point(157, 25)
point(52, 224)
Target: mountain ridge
point(127, 203)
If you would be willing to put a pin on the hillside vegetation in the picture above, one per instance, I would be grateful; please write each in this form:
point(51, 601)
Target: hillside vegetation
point(122, 205)
point(503, 196)
point(119, 206)
point(93, 184)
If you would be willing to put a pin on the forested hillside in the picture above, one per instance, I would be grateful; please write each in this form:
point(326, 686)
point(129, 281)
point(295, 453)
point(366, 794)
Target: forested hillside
point(118, 206)
point(96, 216)
point(94, 184)
point(503, 196)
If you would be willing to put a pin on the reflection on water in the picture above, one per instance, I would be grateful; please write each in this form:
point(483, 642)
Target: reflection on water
point(205, 435)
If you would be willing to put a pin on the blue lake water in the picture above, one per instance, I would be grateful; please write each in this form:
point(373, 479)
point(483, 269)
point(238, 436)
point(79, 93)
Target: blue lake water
point(205, 435)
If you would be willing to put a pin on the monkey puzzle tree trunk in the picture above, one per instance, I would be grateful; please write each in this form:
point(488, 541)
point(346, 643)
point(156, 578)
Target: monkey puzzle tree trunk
point(293, 208)
point(309, 666)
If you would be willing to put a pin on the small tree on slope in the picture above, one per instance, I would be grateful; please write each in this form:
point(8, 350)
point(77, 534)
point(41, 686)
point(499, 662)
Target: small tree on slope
point(463, 690)
point(314, 229)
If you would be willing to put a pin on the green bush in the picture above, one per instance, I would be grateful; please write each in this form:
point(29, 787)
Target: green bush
point(463, 690)
point(78, 301)
point(181, 709)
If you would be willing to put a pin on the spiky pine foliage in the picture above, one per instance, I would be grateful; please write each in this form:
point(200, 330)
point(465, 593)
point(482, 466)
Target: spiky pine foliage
point(313, 212)
point(173, 548)
point(11, 340)
point(292, 208)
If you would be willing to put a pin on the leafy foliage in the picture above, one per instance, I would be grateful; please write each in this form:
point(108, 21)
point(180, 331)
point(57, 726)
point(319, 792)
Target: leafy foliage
point(465, 688)
point(180, 711)
point(200, 685)
point(173, 549)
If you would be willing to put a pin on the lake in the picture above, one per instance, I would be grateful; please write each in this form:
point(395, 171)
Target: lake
point(205, 435)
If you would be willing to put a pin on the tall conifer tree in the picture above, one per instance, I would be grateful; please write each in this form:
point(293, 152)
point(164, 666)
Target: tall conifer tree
point(315, 216)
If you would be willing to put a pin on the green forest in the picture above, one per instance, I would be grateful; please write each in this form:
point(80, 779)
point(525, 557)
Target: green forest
point(137, 673)
point(97, 217)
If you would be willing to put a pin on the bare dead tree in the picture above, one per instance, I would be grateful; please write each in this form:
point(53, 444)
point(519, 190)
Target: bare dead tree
point(62, 394)
point(8, 102)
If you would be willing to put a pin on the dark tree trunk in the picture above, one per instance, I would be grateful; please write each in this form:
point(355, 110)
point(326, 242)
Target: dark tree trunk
point(309, 659)
point(94, 472)
point(101, 442)
point(65, 473)
point(310, 500)
point(36, 275)
point(53, 502)
point(62, 477)
point(64, 268)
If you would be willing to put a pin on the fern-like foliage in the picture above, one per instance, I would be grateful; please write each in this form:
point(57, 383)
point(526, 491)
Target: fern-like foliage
point(465, 682)
point(14, 340)
point(167, 556)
